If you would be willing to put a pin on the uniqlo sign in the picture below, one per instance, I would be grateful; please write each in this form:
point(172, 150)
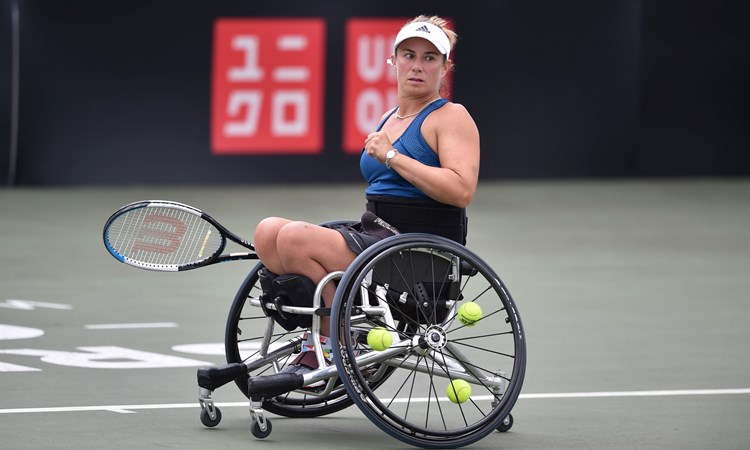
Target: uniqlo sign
point(267, 86)
point(370, 82)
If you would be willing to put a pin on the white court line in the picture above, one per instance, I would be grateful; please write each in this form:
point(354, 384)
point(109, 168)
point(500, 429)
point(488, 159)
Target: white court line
point(124, 409)
point(127, 326)
point(665, 393)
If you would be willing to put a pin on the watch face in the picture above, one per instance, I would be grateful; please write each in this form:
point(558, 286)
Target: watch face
point(390, 154)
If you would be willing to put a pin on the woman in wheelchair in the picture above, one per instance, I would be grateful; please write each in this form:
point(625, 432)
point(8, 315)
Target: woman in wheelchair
point(393, 313)
point(421, 165)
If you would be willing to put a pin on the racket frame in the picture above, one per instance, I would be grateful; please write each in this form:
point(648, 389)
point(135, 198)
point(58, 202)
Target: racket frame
point(214, 258)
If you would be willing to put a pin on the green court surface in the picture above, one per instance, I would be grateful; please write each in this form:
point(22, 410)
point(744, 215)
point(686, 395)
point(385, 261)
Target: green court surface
point(633, 294)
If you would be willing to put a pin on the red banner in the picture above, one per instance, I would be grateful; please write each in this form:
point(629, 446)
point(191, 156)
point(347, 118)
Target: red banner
point(369, 81)
point(267, 86)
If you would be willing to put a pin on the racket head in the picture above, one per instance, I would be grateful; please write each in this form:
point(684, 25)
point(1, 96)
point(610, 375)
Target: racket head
point(163, 236)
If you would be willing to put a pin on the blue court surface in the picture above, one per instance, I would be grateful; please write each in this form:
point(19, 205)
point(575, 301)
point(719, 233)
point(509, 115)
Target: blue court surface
point(634, 296)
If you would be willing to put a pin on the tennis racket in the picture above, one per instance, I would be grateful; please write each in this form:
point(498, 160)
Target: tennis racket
point(169, 236)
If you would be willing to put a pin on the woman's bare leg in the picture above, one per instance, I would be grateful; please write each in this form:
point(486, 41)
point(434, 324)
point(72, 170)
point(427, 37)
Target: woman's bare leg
point(302, 248)
point(314, 251)
point(265, 242)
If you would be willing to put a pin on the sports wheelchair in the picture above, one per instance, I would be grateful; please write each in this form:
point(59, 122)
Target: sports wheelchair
point(412, 285)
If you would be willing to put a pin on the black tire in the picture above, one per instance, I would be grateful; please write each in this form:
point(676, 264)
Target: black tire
point(411, 405)
point(206, 418)
point(506, 424)
point(255, 429)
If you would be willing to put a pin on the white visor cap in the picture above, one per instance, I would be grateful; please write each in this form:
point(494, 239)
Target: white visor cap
point(425, 30)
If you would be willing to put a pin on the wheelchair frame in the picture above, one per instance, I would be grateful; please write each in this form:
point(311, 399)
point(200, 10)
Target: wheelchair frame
point(431, 347)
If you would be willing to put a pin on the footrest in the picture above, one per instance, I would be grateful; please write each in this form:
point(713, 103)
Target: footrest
point(273, 385)
point(212, 378)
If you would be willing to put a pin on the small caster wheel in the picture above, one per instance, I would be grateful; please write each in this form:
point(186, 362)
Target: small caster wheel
point(255, 429)
point(506, 424)
point(206, 418)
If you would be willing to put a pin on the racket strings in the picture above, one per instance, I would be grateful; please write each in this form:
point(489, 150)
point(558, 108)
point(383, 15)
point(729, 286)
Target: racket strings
point(164, 236)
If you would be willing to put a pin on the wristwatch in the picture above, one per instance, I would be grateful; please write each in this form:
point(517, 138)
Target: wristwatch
point(390, 155)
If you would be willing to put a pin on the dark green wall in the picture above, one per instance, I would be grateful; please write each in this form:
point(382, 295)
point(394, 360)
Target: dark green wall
point(118, 92)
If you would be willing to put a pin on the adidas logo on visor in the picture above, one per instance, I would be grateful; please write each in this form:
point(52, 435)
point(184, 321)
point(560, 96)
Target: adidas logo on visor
point(432, 33)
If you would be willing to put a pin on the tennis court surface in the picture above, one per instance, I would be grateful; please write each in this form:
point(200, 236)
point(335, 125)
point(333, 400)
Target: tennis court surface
point(634, 296)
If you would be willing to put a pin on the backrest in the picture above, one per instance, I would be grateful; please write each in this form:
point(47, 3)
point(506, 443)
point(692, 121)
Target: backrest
point(419, 283)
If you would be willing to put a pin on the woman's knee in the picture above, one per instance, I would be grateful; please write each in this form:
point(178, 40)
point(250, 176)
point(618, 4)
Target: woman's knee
point(268, 228)
point(266, 236)
point(293, 236)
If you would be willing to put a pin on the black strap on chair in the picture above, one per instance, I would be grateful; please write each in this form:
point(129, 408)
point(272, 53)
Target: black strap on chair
point(287, 289)
point(421, 216)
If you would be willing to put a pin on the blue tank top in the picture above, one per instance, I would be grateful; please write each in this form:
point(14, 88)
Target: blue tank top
point(387, 182)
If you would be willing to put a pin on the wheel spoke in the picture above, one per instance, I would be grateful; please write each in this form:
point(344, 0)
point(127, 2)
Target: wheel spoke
point(243, 320)
point(406, 396)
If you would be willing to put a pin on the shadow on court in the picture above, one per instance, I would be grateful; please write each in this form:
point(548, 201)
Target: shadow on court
point(633, 296)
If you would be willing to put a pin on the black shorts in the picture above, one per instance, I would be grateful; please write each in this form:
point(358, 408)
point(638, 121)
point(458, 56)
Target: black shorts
point(363, 234)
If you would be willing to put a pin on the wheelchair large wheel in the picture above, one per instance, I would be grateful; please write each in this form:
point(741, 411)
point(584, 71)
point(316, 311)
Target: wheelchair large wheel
point(245, 330)
point(413, 285)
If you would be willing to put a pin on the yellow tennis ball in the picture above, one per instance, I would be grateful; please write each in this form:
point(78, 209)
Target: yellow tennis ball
point(469, 314)
point(379, 339)
point(458, 391)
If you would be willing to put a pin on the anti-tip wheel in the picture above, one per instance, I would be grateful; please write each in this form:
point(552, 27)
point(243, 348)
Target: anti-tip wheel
point(506, 424)
point(206, 418)
point(255, 429)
